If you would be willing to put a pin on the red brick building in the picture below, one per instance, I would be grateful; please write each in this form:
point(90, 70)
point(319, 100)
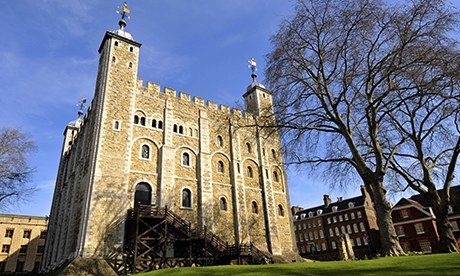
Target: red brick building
point(415, 222)
point(319, 228)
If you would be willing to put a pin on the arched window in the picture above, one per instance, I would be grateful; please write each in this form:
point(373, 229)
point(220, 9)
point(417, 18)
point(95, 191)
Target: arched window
point(143, 194)
point(186, 198)
point(131, 49)
point(248, 148)
point(145, 152)
point(280, 210)
point(220, 166)
point(349, 229)
point(275, 177)
point(130, 65)
point(361, 226)
point(254, 208)
point(181, 130)
point(273, 153)
point(116, 125)
point(186, 159)
point(160, 124)
point(250, 173)
point(219, 141)
point(154, 123)
point(114, 59)
point(136, 119)
point(355, 227)
point(342, 228)
point(143, 121)
point(175, 128)
point(223, 204)
point(190, 130)
point(116, 43)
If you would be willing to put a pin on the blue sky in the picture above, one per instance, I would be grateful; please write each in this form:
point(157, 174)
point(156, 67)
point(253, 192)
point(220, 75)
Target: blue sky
point(48, 61)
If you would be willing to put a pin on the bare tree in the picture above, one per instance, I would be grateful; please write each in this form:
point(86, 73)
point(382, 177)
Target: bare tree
point(332, 68)
point(15, 171)
point(428, 121)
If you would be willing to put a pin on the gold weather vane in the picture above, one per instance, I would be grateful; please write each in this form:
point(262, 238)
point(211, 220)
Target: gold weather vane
point(82, 106)
point(124, 11)
point(253, 66)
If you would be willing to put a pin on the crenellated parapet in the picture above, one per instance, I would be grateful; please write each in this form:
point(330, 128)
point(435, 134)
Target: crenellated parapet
point(154, 90)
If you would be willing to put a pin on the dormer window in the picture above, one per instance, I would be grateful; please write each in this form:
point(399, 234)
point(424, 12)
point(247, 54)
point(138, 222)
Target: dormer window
point(310, 214)
point(302, 216)
point(334, 208)
point(319, 212)
point(351, 204)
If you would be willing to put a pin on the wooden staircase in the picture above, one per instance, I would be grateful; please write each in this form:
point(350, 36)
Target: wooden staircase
point(157, 238)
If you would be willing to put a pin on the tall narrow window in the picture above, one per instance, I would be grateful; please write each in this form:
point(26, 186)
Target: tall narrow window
point(136, 119)
point(143, 121)
point(131, 49)
point(186, 198)
point(223, 204)
point(114, 59)
point(273, 154)
point(248, 148)
point(160, 124)
point(254, 208)
point(181, 130)
point(145, 152)
point(219, 141)
point(154, 123)
point(220, 167)
point(130, 65)
point(175, 128)
point(280, 210)
point(250, 173)
point(190, 130)
point(275, 177)
point(116, 125)
point(186, 159)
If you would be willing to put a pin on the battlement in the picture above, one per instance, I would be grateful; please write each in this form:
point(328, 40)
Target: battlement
point(154, 88)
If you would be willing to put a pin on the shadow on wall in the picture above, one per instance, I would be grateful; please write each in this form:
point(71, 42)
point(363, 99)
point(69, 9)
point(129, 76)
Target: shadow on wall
point(26, 257)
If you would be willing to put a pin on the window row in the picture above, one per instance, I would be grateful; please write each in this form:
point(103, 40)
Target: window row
point(26, 234)
point(347, 229)
point(314, 247)
point(141, 120)
point(181, 130)
point(23, 249)
point(131, 48)
point(309, 224)
point(344, 217)
point(330, 220)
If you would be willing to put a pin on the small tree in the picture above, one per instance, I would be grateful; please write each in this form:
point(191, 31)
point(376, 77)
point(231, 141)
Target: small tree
point(331, 69)
point(15, 171)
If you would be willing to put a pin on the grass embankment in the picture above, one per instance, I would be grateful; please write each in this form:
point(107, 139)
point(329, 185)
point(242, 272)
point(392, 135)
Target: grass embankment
point(439, 264)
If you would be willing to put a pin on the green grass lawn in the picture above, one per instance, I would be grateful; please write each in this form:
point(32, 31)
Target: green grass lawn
point(439, 264)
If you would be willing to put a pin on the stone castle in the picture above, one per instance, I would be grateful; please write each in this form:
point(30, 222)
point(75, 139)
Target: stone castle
point(209, 164)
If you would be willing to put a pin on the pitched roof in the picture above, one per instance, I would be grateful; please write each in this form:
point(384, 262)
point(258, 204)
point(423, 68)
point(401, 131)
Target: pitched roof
point(341, 205)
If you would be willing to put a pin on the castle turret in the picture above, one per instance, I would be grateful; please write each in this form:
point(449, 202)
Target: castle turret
point(257, 98)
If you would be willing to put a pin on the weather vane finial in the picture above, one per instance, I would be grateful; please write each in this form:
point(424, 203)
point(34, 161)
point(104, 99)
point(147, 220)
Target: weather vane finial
point(253, 66)
point(81, 105)
point(124, 11)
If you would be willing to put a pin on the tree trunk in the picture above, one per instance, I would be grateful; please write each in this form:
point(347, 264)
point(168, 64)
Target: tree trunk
point(447, 242)
point(389, 240)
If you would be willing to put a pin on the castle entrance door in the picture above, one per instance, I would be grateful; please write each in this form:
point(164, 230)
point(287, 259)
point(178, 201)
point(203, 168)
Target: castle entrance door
point(143, 194)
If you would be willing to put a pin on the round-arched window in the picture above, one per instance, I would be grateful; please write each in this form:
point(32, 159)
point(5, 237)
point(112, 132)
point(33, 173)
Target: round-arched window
point(220, 167)
point(250, 172)
point(186, 198)
point(254, 208)
point(280, 210)
point(223, 204)
point(186, 159)
point(145, 152)
point(219, 141)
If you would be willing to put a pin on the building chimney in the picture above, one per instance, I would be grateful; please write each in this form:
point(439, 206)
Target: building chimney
point(295, 209)
point(339, 199)
point(327, 200)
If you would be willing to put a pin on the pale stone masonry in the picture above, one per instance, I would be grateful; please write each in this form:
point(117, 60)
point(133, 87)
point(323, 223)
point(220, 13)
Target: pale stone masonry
point(22, 241)
point(135, 135)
